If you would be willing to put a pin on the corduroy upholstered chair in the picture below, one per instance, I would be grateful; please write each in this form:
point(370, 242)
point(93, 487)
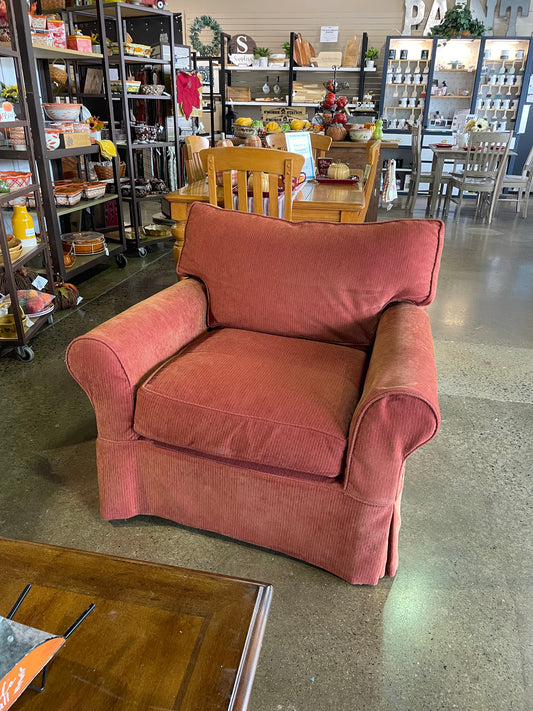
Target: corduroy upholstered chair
point(275, 394)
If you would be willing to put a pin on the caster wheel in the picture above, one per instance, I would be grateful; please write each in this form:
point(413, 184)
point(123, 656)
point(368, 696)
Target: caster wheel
point(25, 353)
point(160, 5)
point(142, 251)
point(121, 261)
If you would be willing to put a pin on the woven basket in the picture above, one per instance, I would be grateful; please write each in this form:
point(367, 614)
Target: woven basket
point(53, 5)
point(58, 75)
point(105, 172)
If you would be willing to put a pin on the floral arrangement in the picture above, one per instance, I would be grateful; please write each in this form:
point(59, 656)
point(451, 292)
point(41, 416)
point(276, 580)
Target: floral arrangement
point(94, 123)
point(10, 93)
point(477, 124)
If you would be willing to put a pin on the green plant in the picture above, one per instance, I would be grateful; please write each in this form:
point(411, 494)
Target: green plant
point(10, 92)
point(458, 21)
point(261, 52)
point(95, 39)
point(371, 54)
point(287, 48)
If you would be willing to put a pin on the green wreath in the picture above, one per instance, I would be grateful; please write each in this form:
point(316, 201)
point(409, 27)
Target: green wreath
point(199, 24)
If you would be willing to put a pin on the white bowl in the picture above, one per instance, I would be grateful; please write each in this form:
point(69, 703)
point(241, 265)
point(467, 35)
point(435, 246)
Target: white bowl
point(361, 134)
point(62, 112)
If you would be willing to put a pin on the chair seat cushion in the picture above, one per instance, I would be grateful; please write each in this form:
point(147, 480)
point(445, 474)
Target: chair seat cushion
point(256, 398)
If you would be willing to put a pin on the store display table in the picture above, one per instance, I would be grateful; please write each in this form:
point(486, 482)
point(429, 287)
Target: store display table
point(159, 637)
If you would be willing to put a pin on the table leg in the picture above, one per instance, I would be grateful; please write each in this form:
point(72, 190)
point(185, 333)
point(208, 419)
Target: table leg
point(436, 169)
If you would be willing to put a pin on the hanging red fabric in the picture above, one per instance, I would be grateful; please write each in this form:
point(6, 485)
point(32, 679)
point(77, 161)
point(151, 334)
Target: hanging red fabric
point(188, 87)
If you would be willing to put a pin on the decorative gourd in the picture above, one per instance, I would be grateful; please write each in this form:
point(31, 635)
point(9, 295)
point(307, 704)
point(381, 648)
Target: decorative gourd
point(338, 171)
point(297, 125)
point(264, 182)
point(273, 127)
point(336, 132)
point(225, 143)
point(253, 142)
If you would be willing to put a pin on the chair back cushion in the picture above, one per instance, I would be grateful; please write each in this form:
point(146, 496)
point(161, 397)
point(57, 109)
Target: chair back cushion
point(317, 280)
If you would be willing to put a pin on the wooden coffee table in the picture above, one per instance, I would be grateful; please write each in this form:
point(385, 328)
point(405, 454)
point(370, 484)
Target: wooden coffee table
point(159, 638)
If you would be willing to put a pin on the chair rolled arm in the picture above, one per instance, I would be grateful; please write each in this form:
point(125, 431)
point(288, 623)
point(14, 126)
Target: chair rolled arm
point(110, 361)
point(398, 410)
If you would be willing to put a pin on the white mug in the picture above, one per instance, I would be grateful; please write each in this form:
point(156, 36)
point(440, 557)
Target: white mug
point(421, 103)
point(506, 104)
point(480, 104)
point(401, 123)
point(412, 102)
point(514, 105)
point(502, 79)
point(403, 101)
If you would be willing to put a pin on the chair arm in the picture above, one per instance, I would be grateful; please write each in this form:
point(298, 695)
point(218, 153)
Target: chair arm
point(398, 410)
point(111, 361)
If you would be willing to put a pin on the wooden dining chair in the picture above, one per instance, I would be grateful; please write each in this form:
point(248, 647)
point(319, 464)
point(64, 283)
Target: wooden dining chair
point(320, 143)
point(233, 165)
point(193, 165)
point(372, 159)
point(419, 176)
point(485, 162)
point(520, 185)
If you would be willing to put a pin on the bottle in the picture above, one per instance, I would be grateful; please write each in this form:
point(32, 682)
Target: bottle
point(378, 130)
point(23, 226)
point(444, 89)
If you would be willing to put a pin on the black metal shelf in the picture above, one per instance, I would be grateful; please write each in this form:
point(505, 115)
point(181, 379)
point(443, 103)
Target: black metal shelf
point(20, 192)
point(130, 59)
point(68, 152)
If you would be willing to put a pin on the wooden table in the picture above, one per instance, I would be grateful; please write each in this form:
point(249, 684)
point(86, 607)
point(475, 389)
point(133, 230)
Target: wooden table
point(313, 201)
point(440, 155)
point(159, 637)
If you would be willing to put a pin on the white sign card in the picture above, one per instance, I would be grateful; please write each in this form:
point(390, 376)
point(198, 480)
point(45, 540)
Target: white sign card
point(329, 33)
point(300, 142)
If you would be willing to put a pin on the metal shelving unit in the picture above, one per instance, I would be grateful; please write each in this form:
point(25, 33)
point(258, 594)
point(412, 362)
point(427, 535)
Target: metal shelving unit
point(122, 18)
point(20, 31)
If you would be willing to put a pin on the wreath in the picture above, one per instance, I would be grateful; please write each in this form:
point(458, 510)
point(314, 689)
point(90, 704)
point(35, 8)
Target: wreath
point(199, 24)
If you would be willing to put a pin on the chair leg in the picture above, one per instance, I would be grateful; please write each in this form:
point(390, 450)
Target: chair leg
point(525, 201)
point(413, 190)
point(459, 205)
point(447, 201)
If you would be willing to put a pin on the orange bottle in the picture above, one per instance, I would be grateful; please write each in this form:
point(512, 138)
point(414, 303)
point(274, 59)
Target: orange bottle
point(23, 226)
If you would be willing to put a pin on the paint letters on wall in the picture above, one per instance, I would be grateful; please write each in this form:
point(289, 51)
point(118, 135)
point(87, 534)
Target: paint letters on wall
point(415, 13)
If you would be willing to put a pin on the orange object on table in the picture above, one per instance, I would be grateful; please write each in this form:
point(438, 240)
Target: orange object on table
point(80, 42)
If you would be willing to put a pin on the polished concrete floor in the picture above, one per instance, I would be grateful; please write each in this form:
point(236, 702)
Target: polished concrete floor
point(454, 629)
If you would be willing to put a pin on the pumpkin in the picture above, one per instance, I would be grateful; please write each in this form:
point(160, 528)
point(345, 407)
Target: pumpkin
point(297, 125)
point(253, 142)
point(221, 143)
point(336, 132)
point(244, 121)
point(66, 296)
point(224, 142)
point(273, 127)
point(264, 182)
point(339, 171)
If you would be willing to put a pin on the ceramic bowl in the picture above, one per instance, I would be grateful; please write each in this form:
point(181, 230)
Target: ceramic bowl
point(361, 134)
point(62, 112)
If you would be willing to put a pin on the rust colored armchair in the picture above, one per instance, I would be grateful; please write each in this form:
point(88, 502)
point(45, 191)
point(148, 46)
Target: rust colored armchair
point(274, 395)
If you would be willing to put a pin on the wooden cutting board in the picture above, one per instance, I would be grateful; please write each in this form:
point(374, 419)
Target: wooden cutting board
point(352, 52)
point(303, 52)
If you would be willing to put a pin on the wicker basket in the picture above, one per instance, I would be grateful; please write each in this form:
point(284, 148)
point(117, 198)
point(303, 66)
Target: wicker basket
point(53, 5)
point(105, 172)
point(58, 75)
point(152, 89)
point(244, 131)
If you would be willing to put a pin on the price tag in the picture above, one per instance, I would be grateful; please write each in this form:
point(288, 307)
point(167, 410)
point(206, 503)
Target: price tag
point(80, 299)
point(39, 282)
point(106, 250)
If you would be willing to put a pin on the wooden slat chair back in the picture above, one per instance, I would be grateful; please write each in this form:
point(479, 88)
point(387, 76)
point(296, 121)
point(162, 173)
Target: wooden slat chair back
point(372, 158)
point(235, 164)
point(320, 143)
point(193, 164)
point(485, 162)
point(418, 176)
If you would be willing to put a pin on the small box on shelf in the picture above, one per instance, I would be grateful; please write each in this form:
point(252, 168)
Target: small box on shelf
point(74, 140)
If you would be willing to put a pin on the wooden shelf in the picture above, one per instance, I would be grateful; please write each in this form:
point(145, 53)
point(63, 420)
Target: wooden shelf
point(60, 53)
point(20, 192)
point(67, 152)
point(450, 96)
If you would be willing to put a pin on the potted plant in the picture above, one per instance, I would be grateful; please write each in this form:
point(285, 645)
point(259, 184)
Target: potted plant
point(261, 54)
point(371, 55)
point(11, 93)
point(458, 21)
point(95, 44)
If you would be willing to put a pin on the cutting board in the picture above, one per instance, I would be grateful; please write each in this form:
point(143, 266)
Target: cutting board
point(352, 52)
point(303, 51)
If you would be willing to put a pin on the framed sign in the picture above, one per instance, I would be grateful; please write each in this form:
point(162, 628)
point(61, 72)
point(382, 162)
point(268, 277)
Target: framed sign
point(204, 74)
point(300, 142)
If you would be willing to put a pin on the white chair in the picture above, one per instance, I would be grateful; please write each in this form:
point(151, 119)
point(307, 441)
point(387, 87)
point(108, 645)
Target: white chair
point(417, 176)
point(520, 185)
point(486, 156)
